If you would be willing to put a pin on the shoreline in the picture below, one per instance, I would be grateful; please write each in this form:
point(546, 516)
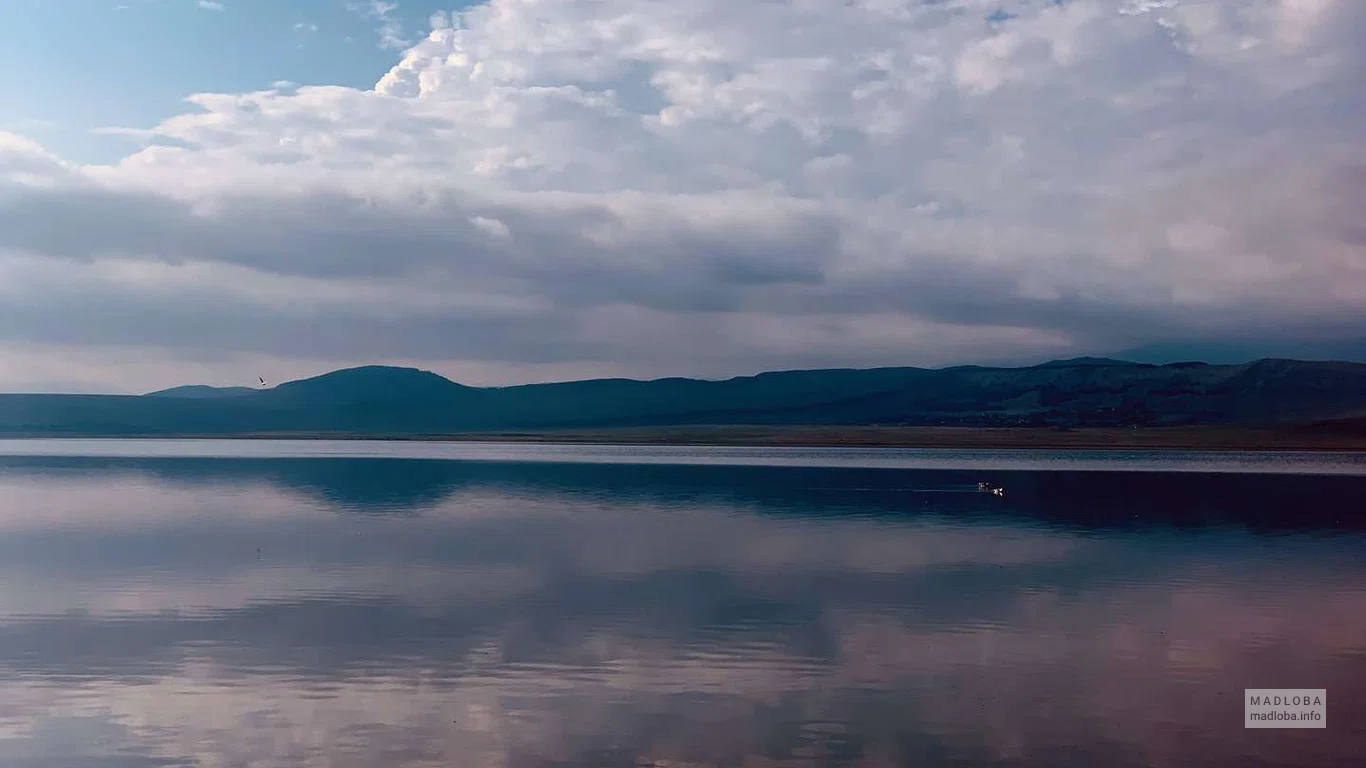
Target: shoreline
point(1266, 439)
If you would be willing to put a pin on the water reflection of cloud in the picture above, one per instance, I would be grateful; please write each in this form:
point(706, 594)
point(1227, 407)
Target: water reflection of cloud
point(24, 594)
point(533, 626)
point(1040, 679)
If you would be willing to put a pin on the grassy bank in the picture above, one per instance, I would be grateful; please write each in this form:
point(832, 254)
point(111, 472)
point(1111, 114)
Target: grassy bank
point(1193, 438)
point(1116, 438)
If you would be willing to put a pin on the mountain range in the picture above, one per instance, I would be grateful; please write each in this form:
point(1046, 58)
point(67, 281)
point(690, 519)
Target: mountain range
point(388, 401)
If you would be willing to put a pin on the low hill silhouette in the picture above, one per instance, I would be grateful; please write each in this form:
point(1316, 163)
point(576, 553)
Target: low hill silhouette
point(201, 392)
point(381, 400)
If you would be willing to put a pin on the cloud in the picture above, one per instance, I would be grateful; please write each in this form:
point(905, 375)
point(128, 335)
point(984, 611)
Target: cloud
point(209, 5)
point(390, 28)
point(713, 188)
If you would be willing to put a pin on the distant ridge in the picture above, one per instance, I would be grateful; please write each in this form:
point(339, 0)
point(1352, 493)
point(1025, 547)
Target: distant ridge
point(1079, 362)
point(201, 391)
point(389, 401)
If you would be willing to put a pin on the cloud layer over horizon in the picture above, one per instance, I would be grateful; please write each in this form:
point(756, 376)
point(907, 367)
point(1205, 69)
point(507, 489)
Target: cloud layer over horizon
point(550, 189)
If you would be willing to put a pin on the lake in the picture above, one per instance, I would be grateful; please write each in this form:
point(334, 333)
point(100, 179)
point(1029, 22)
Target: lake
point(315, 603)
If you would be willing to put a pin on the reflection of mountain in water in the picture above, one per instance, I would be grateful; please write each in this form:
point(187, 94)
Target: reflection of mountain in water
point(367, 486)
point(1085, 499)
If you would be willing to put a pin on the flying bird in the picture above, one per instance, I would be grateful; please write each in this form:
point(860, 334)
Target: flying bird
point(263, 381)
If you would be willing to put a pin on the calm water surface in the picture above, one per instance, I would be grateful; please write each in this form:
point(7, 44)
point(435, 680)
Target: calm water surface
point(247, 603)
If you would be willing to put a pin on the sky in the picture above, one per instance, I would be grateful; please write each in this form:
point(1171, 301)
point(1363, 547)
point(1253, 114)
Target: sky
point(535, 190)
